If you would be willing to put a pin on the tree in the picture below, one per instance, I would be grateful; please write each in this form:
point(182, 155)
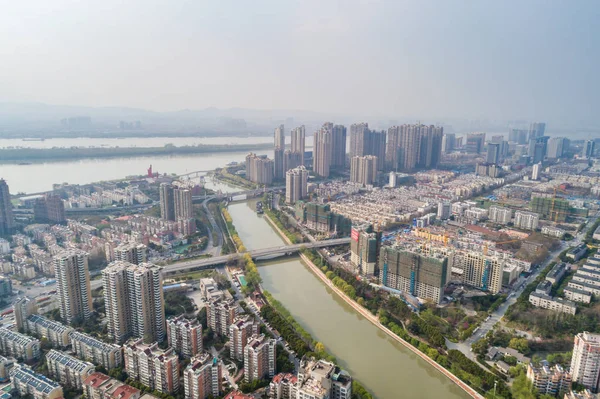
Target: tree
point(522, 388)
point(519, 344)
point(319, 347)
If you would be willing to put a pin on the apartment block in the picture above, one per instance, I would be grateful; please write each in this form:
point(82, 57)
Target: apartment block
point(7, 219)
point(553, 232)
point(298, 142)
point(49, 209)
point(259, 358)
point(477, 270)
point(545, 301)
point(93, 350)
point(577, 295)
point(365, 245)
point(585, 361)
point(68, 370)
point(296, 184)
point(25, 382)
point(156, 368)
point(131, 252)
point(73, 285)
point(321, 379)
point(202, 377)
point(413, 146)
point(240, 331)
point(22, 309)
point(363, 170)
point(259, 169)
point(526, 220)
point(422, 274)
point(322, 152)
point(185, 336)
point(220, 314)
point(547, 380)
point(56, 333)
point(19, 345)
point(134, 301)
point(500, 215)
point(101, 386)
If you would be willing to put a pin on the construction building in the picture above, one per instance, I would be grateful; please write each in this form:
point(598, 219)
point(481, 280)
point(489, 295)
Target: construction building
point(477, 270)
point(365, 245)
point(554, 209)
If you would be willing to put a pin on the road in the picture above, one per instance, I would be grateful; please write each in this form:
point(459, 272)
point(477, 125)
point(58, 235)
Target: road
point(215, 250)
point(496, 316)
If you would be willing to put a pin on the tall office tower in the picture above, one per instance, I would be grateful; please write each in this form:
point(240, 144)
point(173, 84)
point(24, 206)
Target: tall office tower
point(448, 142)
point(588, 149)
point(359, 136)
point(291, 160)
point(202, 378)
point(338, 147)
point(585, 362)
point(535, 173)
point(185, 336)
point(22, 309)
point(240, 331)
point(220, 314)
point(259, 169)
point(365, 245)
point(131, 252)
point(493, 153)
point(155, 368)
point(518, 136)
point(322, 154)
point(431, 146)
point(299, 142)
point(363, 170)
point(556, 147)
point(167, 202)
point(296, 182)
point(134, 302)
point(478, 270)
point(49, 209)
point(279, 149)
point(475, 142)
point(7, 220)
point(420, 274)
point(73, 285)
point(536, 129)
point(259, 358)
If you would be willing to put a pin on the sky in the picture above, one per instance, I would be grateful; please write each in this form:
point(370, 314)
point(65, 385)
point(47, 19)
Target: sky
point(537, 60)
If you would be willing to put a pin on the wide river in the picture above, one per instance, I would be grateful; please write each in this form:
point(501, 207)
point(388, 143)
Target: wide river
point(382, 365)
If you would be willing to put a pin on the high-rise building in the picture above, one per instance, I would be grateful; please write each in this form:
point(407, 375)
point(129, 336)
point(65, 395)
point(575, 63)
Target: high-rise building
point(22, 309)
point(338, 146)
point(291, 160)
point(448, 142)
point(49, 209)
point(493, 153)
point(155, 368)
point(475, 142)
point(7, 220)
point(296, 181)
point(535, 172)
point(321, 379)
point(554, 209)
point(413, 146)
point(167, 202)
point(202, 377)
point(444, 210)
point(364, 141)
point(185, 336)
point(537, 148)
point(365, 245)
point(477, 270)
point(588, 149)
point(298, 142)
point(519, 136)
point(322, 154)
point(73, 285)
point(184, 208)
point(259, 358)
point(585, 361)
point(68, 370)
point(240, 331)
point(556, 147)
point(363, 170)
point(554, 381)
point(278, 151)
point(259, 169)
point(131, 252)
point(500, 215)
point(420, 274)
point(134, 302)
point(536, 129)
point(526, 220)
point(219, 315)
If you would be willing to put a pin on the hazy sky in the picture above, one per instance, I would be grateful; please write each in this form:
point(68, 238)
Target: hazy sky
point(497, 59)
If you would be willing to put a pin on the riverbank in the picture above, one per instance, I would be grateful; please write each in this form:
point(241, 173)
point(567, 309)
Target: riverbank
point(374, 320)
point(13, 155)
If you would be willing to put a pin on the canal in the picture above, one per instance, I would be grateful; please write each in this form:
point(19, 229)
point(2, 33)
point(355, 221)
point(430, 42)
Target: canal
point(383, 366)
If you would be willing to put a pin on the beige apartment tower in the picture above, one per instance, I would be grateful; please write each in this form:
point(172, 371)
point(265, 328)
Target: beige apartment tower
point(73, 285)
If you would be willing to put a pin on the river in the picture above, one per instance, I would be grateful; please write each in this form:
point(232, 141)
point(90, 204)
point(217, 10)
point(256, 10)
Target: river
point(383, 366)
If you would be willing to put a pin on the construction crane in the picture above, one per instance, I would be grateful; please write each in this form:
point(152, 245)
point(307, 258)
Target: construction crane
point(553, 213)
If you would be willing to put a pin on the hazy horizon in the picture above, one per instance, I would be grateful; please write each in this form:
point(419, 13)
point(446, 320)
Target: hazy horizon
point(509, 60)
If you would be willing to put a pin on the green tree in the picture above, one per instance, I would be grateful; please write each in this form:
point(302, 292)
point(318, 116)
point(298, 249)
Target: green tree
point(519, 344)
point(522, 388)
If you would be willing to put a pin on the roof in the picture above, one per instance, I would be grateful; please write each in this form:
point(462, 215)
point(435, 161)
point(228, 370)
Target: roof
point(125, 392)
point(237, 395)
point(96, 379)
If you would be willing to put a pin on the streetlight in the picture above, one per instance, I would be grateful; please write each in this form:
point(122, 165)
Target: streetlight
point(495, 383)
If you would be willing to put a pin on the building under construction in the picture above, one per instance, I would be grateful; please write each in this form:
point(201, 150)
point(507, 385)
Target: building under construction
point(365, 246)
point(554, 209)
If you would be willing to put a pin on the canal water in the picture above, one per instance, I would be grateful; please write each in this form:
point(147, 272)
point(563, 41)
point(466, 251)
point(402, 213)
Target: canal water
point(383, 366)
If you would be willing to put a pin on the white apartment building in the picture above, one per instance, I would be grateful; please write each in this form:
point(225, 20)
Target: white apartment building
point(544, 301)
point(73, 285)
point(85, 347)
point(25, 381)
point(259, 358)
point(68, 370)
point(19, 345)
point(57, 333)
point(185, 336)
point(526, 220)
point(585, 362)
point(296, 184)
point(500, 215)
point(553, 232)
